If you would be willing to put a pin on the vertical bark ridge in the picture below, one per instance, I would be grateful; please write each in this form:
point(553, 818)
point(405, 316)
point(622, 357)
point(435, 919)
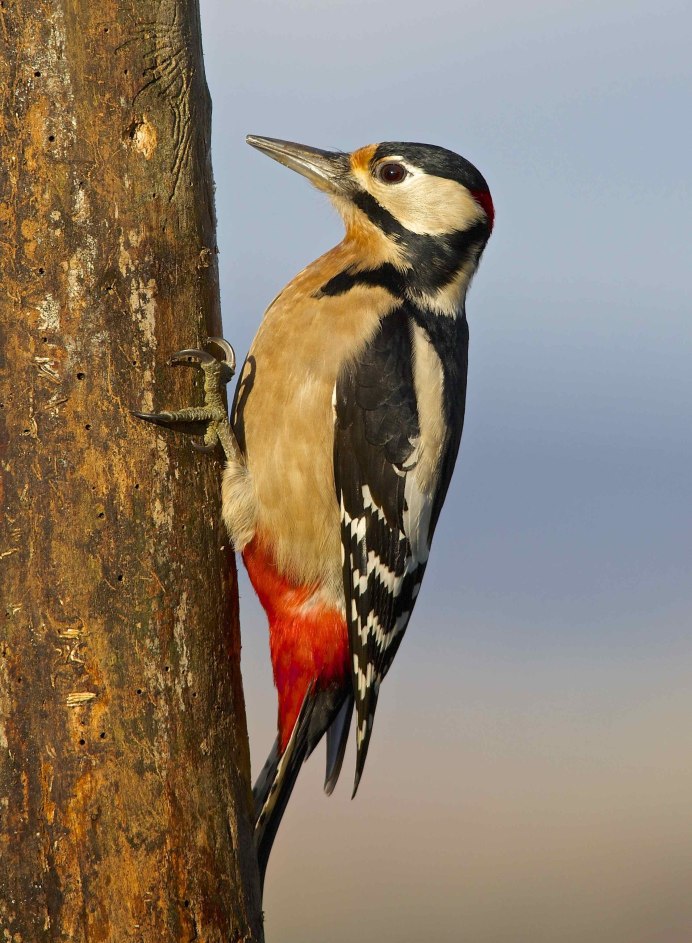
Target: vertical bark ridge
point(124, 766)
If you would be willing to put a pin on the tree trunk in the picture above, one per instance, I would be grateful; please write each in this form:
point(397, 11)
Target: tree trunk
point(124, 763)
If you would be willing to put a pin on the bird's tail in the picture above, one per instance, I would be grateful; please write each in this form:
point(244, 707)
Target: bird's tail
point(276, 781)
point(322, 710)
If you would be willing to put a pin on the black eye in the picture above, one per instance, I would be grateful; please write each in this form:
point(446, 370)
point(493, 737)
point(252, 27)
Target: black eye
point(391, 172)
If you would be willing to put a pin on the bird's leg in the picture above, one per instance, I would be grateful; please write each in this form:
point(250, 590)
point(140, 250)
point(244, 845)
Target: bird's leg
point(217, 373)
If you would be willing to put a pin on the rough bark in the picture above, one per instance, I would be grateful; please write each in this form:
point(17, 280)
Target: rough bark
point(124, 766)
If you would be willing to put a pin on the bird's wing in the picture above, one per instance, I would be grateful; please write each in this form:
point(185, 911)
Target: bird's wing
point(386, 520)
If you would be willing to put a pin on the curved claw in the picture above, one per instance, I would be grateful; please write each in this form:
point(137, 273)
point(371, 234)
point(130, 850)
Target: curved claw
point(202, 448)
point(228, 351)
point(190, 357)
point(218, 370)
point(159, 419)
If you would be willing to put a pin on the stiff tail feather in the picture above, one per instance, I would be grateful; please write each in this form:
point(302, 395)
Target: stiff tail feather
point(276, 781)
point(337, 738)
point(326, 710)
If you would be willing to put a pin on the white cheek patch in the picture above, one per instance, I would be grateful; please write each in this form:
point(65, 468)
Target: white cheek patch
point(424, 204)
point(429, 206)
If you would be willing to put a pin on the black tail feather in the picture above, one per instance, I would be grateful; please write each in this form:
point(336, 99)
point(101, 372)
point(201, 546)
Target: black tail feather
point(337, 738)
point(275, 784)
point(328, 709)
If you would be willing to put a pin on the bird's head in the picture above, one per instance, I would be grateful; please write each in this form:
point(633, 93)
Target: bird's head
point(432, 207)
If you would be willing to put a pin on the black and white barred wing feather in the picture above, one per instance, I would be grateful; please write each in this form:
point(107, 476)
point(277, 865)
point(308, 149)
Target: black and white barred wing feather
point(385, 519)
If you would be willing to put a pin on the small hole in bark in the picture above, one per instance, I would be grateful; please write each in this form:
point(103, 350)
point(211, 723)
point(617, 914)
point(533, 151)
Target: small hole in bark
point(45, 340)
point(186, 903)
point(136, 487)
point(139, 690)
point(80, 376)
point(102, 735)
point(82, 741)
point(87, 425)
point(100, 515)
point(105, 29)
point(37, 73)
point(125, 71)
point(120, 577)
point(194, 694)
point(41, 271)
point(167, 668)
point(51, 137)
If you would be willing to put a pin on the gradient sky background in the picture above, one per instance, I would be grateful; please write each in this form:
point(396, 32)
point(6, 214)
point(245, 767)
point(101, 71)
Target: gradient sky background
point(530, 777)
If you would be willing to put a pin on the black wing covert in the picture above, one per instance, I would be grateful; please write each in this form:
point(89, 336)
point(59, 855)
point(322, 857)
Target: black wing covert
point(375, 437)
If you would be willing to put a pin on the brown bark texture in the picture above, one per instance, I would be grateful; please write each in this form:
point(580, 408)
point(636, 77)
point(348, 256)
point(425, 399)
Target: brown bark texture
point(124, 764)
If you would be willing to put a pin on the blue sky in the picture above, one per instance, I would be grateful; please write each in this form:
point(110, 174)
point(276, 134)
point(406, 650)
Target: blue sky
point(530, 771)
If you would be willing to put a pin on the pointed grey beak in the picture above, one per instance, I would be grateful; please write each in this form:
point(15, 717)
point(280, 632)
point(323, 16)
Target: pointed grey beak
point(327, 170)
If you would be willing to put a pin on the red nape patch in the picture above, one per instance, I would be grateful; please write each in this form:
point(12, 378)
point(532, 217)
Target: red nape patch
point(308, 640)
point(483, 198)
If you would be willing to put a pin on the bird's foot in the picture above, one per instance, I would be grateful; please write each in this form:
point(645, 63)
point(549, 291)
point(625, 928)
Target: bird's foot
point(218, 370)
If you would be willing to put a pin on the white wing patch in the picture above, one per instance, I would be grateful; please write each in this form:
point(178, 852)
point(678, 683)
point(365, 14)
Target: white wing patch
point(428, 380)
point(417, 514)
point(422, 481)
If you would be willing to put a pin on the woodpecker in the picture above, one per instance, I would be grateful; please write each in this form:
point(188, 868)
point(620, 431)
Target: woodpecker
point(344, 433)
